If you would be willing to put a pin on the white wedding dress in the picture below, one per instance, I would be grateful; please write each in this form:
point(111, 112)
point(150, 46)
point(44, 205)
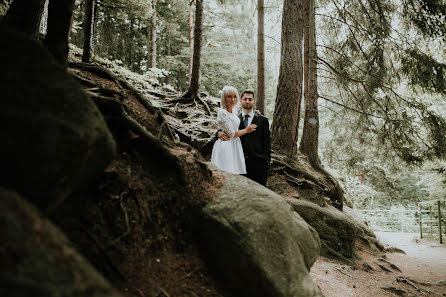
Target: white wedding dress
point(228, 155)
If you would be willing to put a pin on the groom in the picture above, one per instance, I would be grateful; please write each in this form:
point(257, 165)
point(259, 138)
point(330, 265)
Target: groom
point(256, 145)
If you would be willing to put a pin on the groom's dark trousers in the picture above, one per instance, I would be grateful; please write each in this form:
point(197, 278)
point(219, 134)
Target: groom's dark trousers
point(257, 149)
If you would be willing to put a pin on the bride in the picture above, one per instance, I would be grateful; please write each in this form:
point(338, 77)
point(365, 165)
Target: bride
point(228, 155)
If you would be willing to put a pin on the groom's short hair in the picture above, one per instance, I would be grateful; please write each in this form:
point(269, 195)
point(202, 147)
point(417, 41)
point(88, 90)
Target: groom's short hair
point(247, 91)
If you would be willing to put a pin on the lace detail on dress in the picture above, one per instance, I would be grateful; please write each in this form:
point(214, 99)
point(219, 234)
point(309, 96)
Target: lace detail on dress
point(224, 122)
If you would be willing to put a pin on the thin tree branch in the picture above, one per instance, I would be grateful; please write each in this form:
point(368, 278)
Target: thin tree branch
point(350, 108)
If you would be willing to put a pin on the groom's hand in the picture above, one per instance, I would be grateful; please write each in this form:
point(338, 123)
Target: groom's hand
point(223, 136)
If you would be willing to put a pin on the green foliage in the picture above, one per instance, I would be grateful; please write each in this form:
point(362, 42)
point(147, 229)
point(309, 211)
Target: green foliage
point(121, 30)
point(4, 5)
point(428, 16)
point(229, 41)
point(384, 78)
point(177, 66)
point(173, 50)
point(424, 71)
point(228, 58)
point(138, 8)
point(151, 79)
point(382, 189)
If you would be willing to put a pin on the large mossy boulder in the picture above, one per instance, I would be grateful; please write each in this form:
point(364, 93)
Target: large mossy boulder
point(53, 136)
point(257, 244)
point(37, 259)
point(338, 231)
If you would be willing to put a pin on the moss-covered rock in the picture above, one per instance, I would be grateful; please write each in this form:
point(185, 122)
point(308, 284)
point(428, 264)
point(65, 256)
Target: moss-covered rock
point(257, 243)
point(337, 230)
point(53, 136)
point(37, 259)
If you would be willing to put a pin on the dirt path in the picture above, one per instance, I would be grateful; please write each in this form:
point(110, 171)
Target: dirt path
point(423, 270)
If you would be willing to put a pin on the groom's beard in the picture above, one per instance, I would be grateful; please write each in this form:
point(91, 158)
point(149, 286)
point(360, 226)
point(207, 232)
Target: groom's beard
point(248, 106)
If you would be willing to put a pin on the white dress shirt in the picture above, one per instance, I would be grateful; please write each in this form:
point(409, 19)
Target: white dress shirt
point(251, 116)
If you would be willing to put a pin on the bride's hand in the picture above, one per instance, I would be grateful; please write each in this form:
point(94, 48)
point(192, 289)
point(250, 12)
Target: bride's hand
point(251, 128)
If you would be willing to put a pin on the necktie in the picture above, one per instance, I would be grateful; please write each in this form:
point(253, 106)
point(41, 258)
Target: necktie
point(245, 121)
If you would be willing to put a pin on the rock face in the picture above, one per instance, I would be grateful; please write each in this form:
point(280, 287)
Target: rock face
point(53, 136)
point(337, 230)
point(258, 245)
point(37, 260)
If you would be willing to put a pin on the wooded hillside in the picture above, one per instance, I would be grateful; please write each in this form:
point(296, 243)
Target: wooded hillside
point(109, 118)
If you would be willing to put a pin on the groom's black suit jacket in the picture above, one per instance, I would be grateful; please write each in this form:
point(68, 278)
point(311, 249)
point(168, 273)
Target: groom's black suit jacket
point(257, 149)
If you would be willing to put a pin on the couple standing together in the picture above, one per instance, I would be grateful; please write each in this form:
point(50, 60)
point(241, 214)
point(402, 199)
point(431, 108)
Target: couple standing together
point(243, 145)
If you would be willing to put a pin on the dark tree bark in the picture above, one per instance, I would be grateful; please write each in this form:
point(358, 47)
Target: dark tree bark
point(310, 136)
point(260, 102)
point(24, 16)
point(151, 56)
point(43, 27)
point(309, 141)
point(130, 42)
point(122, 46)
point(169, 50)
point(88, 31)
point(191, 36)
point(289, 88)
point(194, 86)
point(59, 24)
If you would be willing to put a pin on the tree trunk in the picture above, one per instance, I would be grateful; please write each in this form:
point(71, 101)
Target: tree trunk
point(130, 43)
point(58, 30)
point(169, 52)
point(149, 45)
point(310, 136)
point(88, 31)
point(194, 86)
point(309, 141)
point(43, 26)
point(24, 16)
point(123, 49)
point(153, 38)
point(260, 102)
point(108, 34)
point(289, 88)
point(95, 21)
point(191, 36)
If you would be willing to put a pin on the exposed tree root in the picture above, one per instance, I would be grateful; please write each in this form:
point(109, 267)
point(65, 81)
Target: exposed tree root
point(124, 86)
point(394, 290)
point(336, 255)
point(338, 198)
point(412, 283)
point(384, 268)
point(319, 179)
point(206, 107)
point(371, 241)
point(94, 68)
point(394, 250)
point(161, 94)
point(367, 267)
point(343, 272)
point(156, 148)
point(183, 100)
point(127, 224)
point(407, 281)
point(393, 266)
point(114, 112)
point(439, 283)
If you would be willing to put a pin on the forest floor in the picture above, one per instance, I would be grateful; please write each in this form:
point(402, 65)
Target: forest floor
point(423, 270)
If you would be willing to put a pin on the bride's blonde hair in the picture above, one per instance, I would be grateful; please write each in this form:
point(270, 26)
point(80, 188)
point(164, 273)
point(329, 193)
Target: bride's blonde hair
point(225, 91)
